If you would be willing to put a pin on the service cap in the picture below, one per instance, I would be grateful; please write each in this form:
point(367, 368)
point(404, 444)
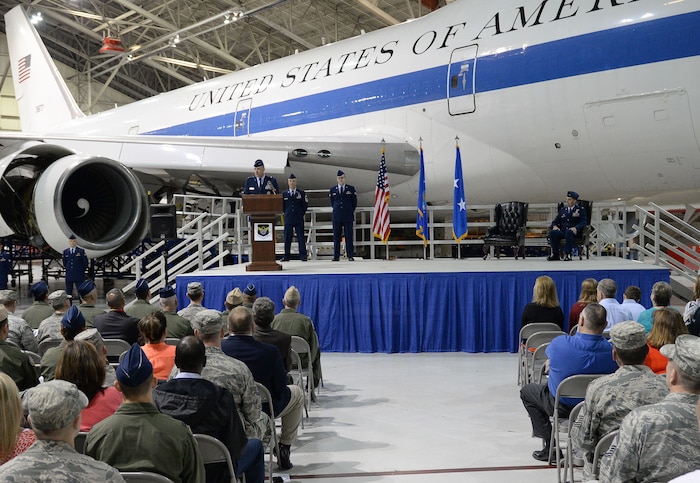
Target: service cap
point(250, 290)
point(166, 292)
point(134, 368)
point(86, 287)
point(258, 163)
point(628, 335)
point(142, 288)
point(54, 404)
point(234, 297)
point(572, 194)
point(58, 298)
point(685, 353)
point(39, 288)
point(340, 173)
point(207, 321)
point(73, 319)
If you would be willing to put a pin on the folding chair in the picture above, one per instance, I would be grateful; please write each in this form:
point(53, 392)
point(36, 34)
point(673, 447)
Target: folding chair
point(525, 332)
point(569, 455)
point(47, 344)
point(572, 387)
point(79, 442)
point(531, 344)
point(536, 371)
point(115, 347)
point(300, 346)
point(172, 340)
point(35, 359)
point(601, 448)
point(265, 397)
point(298, 378)
point(214, 451)
point(144, 477)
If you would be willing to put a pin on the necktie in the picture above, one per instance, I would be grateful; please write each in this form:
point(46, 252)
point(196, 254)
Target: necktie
point(259, 182)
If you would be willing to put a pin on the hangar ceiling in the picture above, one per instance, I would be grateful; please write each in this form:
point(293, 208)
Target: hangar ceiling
point(172, 43)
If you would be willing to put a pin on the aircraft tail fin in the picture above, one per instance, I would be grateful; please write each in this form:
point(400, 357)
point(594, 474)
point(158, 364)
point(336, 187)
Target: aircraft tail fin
point(42, 95)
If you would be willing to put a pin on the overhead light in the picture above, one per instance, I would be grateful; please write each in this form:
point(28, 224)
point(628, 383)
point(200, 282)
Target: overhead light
point(174, 40)
point(111, 45)
point(36, 18)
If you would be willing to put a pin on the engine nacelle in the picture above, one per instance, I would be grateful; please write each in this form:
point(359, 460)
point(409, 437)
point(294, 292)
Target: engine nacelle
point(55, 193)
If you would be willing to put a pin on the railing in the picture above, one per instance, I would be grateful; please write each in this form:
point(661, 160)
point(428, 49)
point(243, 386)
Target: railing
point(661, 234)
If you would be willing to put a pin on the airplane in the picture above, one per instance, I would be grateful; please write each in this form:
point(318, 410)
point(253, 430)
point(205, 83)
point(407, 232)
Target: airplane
point(543, 96)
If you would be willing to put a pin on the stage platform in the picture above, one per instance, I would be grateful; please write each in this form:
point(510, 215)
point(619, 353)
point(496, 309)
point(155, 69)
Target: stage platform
point(443, 305)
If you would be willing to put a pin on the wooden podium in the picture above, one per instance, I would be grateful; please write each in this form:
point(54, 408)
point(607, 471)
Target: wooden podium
point(262, 209)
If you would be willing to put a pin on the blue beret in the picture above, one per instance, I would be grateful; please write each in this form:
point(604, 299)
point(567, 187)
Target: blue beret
point(86, 287)
point(71, 237)
point(141, 288)
point(134, 368)
point(340, 173)
point(166, 292)
point(572, 194)
point(73, 319)
point(291, 176)
point(250, 290)
point(258, 163)
point(39, 288)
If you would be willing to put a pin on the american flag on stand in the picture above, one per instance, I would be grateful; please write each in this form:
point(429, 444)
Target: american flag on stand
point(380, 224)
point(24, 65)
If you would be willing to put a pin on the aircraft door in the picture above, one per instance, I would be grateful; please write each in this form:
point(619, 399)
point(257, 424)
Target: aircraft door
point(241, 118)
point(461, 78)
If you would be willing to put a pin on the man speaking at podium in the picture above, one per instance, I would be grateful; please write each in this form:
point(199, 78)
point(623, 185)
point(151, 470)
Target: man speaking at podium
point(260, 184)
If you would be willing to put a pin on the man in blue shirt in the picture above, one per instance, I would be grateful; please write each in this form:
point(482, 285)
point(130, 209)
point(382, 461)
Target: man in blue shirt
point(587, 352)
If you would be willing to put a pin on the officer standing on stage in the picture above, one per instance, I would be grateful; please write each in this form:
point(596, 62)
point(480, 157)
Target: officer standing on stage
point(569, 222)
point(260, 183)
point(5, 266)
point(295, 203)
point(344, 201)
point(75, 262)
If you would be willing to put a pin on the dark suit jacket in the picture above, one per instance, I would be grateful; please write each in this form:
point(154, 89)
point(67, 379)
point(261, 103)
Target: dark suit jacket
point(264, 362)
point(281, 340)
point(269, 185)
point(117, 325)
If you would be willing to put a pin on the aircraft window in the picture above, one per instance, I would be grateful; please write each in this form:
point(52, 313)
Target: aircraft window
point(454, 82)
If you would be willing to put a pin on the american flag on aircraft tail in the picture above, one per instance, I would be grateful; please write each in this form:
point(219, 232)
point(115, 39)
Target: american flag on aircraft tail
point(380, 224)
point(24, 65)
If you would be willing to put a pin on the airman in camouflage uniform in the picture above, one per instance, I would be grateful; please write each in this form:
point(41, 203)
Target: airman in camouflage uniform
point(230, 373)
point(50, 327)
point(195, 293)
point(53, 408)
point(178, 327)
point(660, 442)
point(88, 297)
point(141, 307)
point(20, 332)
point(13, 361)
point(40, 309)
point(610, 398)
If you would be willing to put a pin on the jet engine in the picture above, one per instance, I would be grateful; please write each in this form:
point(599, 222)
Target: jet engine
point(48, 193)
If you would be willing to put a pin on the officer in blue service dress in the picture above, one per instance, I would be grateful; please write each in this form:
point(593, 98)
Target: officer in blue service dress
point(344, 201)
point(260, 184)
point(295, 203)
point(75, 262)
point(5, 266)
point(569, 222)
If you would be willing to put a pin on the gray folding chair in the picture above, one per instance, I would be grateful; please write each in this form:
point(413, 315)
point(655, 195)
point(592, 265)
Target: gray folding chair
point(300, 346)
point(79, 442)
point(172, 340)
point(601, 448)
point(272, 448)
point(569, 455)
point(47, 344)
point(214, 451)
point(525, 332)
point(298, 378)
point(536, 372)
point(115, 347)
point(531, 345)
point(571, 387)
point(35, 359)
point(144, 477)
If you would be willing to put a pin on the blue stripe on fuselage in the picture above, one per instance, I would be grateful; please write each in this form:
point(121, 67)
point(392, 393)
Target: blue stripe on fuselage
point(638, 44)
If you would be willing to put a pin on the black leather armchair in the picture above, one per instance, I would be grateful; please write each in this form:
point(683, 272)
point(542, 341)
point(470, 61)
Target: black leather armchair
point(581, 240)
point(510, 229)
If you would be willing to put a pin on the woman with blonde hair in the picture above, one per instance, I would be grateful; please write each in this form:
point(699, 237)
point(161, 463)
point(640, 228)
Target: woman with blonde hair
point(545, 304)
point(13, 438)
point(667, 325)
point(82, 365)
point(153, 329)
point(588, 294)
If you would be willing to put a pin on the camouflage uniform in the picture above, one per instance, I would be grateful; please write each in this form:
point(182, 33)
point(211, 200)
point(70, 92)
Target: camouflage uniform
point(89, 311)
point(190, 311)
point(17, 365)
point(656, 443)
point(608, 400)
point(235, 376)
point(293, 323)
point(56, 461)
point(37, 312)
point(21, 334)
point(178, 327)
point(50, 328)
point(49, 360)
point(140, 309)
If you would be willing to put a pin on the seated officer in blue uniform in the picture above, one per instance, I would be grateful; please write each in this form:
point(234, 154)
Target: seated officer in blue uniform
point(295, 203)
point(75, 262)
point(344, 201)
point(569, 222)
point(260, 184)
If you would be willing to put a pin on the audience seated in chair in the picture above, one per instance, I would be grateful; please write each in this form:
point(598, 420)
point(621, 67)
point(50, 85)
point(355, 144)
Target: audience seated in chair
point(510, 229)
point(209, 409)
point(570, 226)
point(610, 398)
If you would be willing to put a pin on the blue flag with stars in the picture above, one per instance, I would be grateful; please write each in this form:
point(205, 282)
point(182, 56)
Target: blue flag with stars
point(422, 214)
point(459, 210)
